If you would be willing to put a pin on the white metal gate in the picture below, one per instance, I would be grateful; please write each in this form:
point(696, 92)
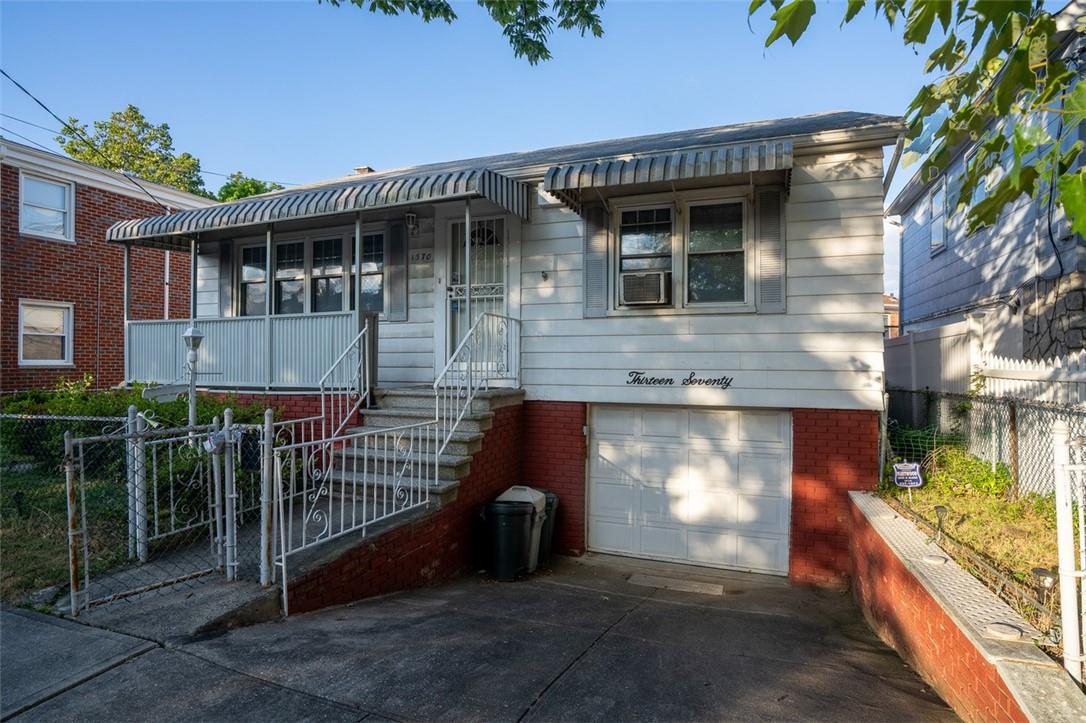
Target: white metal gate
point(487, 274)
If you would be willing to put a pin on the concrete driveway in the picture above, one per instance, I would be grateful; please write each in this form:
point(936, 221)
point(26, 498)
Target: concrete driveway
point(584, 641)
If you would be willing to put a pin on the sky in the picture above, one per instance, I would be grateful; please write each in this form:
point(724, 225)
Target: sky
point(299, 91)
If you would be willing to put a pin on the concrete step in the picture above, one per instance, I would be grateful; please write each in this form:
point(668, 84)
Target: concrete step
point(424, 398)
point(449, 466)
point(473, 422)
point(377, 487)
point(461, 443)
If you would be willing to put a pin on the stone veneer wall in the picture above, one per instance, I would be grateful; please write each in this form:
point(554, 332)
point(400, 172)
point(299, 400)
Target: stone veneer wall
point(1054, 317)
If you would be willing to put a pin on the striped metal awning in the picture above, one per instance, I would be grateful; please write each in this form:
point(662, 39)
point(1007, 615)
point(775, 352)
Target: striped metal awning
point(360, 195)
point(567, 181)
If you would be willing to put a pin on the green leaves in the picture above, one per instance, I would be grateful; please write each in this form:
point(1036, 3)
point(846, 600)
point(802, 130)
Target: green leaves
point(922, 15)
point(1073, 198)
point(791, 19)
point(238, 186)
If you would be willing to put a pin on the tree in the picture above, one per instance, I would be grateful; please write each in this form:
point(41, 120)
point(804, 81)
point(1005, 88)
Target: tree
point(238, 185)
point(527, 24)
point(129, 143)
point(992, 59)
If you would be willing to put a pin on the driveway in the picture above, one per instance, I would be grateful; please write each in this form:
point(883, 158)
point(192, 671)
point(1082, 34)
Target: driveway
point(593, 639)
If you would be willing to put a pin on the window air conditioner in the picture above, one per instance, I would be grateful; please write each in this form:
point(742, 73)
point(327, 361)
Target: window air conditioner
point(646, 287)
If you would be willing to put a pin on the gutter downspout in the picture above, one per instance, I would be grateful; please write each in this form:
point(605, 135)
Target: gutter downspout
point(899, 148)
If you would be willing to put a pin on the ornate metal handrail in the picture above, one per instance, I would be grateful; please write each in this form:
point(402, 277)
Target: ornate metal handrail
point(488, 354)
point(345, 386)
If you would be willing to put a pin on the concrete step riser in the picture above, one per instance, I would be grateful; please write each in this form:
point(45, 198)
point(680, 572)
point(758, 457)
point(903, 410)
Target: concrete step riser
point(378, 421)
point(409, 402)
point(377, 464)
point(459, 449)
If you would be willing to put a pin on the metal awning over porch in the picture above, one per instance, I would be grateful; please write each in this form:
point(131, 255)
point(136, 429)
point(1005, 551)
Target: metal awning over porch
point(362, 195)
point(569, 181)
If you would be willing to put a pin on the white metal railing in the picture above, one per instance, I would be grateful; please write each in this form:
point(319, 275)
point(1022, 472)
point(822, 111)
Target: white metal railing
point(345, 386)
point(1070, 483)
point(488, 355)
point(248, 351)
point(326, 488)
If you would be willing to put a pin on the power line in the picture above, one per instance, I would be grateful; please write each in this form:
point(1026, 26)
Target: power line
point(86, 140)
point(54, 130)
point(28, 140)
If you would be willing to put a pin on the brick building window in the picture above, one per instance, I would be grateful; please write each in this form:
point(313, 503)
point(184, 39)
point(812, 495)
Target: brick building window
point(45, 333)
point(45, 208)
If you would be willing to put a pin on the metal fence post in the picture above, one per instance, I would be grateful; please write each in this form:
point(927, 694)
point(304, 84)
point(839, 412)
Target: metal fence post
point(216, 481)
point(75, 532)
point(1065, 542)
point(267, 532)
point(140, 458)
point(130, 469)
point(230, 495)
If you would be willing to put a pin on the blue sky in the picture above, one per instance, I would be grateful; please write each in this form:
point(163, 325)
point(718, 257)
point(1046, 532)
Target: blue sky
point(296, 91)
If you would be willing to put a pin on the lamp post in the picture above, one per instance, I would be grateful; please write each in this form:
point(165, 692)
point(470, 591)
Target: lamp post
point(193, 337)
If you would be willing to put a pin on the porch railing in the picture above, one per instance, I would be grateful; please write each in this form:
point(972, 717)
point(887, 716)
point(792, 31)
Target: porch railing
point(330, 487)
point(488, 356)
point(345, 386)
point(270, 352)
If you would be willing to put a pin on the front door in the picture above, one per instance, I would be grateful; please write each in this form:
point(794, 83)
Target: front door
point(488, 269)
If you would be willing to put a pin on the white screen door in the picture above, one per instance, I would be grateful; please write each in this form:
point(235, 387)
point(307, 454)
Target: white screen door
point(487, 275)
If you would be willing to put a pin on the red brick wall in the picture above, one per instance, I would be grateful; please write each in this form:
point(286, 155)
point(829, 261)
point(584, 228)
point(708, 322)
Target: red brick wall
point(555, 450)
point(905, 615)
point(286, 406)
point(833, 452)
point(88, 274)
point(433, 548)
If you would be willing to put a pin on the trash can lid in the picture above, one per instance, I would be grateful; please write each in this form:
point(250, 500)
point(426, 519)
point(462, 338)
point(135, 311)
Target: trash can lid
point(523, 493)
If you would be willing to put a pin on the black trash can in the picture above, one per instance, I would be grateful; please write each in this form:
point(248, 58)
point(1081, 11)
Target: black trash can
point(546, 535)
point(510, 530)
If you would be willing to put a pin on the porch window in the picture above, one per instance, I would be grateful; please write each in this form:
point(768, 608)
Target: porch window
point(327, 275)
point(45, 208)
point(254, 281)
point(45, 333)
point(716, 265)
point(372, 270)
point(290, 278)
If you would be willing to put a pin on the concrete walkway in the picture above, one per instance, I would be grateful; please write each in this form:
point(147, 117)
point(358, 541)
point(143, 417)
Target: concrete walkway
point(594, 639)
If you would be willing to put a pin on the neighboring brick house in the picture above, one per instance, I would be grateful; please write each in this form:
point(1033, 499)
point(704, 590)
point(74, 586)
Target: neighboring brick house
point(891, 316)
point(61, 303)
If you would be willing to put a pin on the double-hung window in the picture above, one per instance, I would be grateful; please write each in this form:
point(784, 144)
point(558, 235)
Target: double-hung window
point(254, 281)
point(45, 333)
point(290, 278)
point(46, 208)
point(327, 294)
point(715, 254)
point(371, 270)
point(645, 256)
point(937, 222)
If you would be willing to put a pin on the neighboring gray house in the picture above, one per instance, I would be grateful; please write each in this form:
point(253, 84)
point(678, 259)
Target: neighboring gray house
point(1008, 271)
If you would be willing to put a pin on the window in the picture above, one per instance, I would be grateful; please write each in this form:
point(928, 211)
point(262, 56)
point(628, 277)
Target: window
point(254, 281)
point(938, 216)
point(290, 278)
point(327, 294)
point(46, 208)
point(645, 256)
point(716, 264)
point(372, 271)
point(45, 333)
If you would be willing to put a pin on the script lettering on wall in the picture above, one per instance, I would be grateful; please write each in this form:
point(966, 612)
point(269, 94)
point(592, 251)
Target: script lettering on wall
point(648, 379)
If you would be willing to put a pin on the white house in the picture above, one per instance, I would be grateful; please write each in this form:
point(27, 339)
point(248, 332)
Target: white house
point(694, 320)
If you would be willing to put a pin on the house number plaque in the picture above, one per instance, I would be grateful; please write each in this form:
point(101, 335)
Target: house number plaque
point(648, 379)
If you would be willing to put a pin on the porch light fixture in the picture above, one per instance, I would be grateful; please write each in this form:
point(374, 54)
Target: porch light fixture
point(412, 222)
point(193, 337)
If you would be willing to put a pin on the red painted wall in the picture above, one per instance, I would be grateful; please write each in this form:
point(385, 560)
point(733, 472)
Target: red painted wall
point(433, 548)
point(555, 450)
point(88, 274)
point(833, 451)
point(905, 615)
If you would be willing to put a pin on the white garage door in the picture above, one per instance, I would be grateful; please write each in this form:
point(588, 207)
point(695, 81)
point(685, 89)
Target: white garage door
point(708, 486)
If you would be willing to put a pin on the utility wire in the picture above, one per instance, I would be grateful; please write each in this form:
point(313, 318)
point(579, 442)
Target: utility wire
point(81, 135)
point(56, 132)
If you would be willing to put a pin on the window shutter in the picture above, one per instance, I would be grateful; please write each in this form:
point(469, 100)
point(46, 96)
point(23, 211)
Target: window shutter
point(770, 250)
point(396, 273)
point(596, 227)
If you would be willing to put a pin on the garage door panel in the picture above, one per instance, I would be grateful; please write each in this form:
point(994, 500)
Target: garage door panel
point(711, 486)
point(659, 541)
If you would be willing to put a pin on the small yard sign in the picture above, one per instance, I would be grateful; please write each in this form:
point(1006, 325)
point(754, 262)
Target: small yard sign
point(907, 474)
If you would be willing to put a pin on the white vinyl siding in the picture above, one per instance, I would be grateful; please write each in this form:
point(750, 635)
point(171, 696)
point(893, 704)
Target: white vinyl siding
point(824, 351)
point(45, 333)
point(46, 208)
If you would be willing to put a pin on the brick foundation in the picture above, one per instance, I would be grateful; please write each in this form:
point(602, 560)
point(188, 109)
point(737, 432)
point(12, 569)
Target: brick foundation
point(905, 615)
point(555, 450)
point(833, 452)
point(286, 406)
point(89, 274)
point(428, 550)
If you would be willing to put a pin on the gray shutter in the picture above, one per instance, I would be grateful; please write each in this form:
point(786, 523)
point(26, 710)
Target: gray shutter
point(596, 269)
point(770, 250)
point(396, 273)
